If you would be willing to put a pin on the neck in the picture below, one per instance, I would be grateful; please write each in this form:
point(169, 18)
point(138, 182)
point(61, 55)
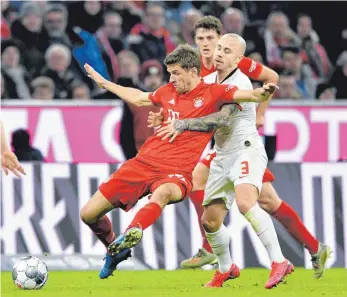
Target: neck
point(208, 62)
point(222, 74)
point(194, 84)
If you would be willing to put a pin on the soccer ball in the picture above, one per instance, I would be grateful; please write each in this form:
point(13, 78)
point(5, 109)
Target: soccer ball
point(29, 273)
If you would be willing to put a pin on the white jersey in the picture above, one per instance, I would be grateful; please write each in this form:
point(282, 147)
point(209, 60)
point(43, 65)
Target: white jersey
point(242, 132)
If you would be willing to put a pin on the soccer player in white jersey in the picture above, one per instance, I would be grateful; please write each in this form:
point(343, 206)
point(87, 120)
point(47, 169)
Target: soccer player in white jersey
point(236, 171)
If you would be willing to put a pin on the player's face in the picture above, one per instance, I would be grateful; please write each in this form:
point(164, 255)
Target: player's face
point(227, 54)
point(180, 78)
point(206, 40)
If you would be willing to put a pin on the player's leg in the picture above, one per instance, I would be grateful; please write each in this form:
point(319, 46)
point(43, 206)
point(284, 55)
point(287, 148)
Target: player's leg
point(168, 189)
point(200, 175)
point(93, 214)
point(287, 216)
point(217, 202)
point(121, 189)
point(218, 236)
point(247, 177)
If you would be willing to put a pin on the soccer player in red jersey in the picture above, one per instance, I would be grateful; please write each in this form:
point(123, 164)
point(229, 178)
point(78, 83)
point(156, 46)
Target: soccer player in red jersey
point(207, 33)
point(160, 167)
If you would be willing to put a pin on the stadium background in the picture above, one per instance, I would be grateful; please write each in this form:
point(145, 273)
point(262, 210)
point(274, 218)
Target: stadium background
point(44, 44)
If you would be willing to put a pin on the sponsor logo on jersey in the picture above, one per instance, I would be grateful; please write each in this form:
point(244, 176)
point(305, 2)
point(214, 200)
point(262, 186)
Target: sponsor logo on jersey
point(172, 101)
point(198, 102)
point(253, 65)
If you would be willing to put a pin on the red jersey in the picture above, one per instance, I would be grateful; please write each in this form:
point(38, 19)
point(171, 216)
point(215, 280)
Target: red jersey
point(249, 67)
point(184, 153)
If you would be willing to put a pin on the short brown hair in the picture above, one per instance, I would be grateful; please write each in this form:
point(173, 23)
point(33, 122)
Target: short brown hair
point(185, 56)
point(209, 23)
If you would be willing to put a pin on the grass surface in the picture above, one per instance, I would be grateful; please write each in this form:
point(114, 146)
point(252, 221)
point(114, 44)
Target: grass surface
point(180, 283)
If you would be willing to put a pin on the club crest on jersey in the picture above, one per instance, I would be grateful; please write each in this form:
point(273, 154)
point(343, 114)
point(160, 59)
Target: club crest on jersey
point(198, 102)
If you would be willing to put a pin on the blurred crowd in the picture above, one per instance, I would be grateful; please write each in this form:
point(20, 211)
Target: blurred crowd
point(45, 44)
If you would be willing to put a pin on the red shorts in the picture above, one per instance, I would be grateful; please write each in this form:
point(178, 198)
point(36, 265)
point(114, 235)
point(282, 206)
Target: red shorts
point(268, 175)
point(134, 179)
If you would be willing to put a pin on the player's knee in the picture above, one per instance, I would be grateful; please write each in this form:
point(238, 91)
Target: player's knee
point(87, 216)
point(210, 224)
point(162, 196)
point(269, 200)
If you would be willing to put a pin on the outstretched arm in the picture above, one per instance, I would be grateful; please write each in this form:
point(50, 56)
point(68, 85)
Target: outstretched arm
point(9, 161)
point(130, 95)
point(203, 124)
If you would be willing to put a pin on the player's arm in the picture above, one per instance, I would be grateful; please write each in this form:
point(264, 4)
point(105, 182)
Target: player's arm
point(209, 122)
point(231, 94)
point(130, 95)
point(257, 71)
point(202, 124)
point(9, 161)
point(266, 76)
point(5, 147)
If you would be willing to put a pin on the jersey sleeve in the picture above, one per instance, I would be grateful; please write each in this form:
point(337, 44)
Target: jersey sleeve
point(223, 94)
point(157, 95)
point(251, 68)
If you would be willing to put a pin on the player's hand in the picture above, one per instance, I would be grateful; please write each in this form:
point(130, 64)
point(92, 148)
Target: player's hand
point(259, 120)
point(264, 93)
point(172, 130)
point(9, 162)
point(100, 81)
point(155, 119)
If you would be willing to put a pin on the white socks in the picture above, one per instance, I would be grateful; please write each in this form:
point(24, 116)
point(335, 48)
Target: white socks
point(265, 229)
point(219, 242)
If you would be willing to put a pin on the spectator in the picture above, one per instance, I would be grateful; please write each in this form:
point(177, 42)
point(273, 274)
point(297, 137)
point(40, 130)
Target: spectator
point(215, 8)
point(339, 77)
point(292, 62)
point(287, 87)
point(58, 68)
point(14, 73)
point(278, 34)
point(86, 14)
point(233, 21)
point(110, 38)
point(4, 94)
point(80, 91)
point(55, 20)
point(129, 66)
point(313, 52)
point(325, 91)
point(43, 88)
point(27, 29)
point(129, 13)
point(134, 131)
point(150, 40)
point(186, 33)
point(22, 147)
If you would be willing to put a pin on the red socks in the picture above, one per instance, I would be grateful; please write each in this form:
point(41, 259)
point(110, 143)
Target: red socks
point(287, 216)
point(146, 216)
point(103, 230)
point(197, 198)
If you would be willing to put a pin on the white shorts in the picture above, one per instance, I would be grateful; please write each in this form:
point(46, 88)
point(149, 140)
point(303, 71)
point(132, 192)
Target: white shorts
point(246, 166)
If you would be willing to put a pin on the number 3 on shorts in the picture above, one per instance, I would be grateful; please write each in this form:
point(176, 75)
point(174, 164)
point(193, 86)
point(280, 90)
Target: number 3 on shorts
point(244, 168)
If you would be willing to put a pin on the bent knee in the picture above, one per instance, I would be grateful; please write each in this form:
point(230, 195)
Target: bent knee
point(270, 203)
point(210, 224)
point(87, 216)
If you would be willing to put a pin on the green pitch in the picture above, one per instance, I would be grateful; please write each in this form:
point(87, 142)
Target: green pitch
point(180, 283)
